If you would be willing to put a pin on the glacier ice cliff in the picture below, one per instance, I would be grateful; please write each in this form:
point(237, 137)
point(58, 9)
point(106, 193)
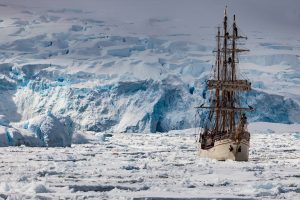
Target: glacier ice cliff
point(45, 102)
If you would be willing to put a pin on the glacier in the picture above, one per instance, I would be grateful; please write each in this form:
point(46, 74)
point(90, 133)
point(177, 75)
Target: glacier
point(72, 69)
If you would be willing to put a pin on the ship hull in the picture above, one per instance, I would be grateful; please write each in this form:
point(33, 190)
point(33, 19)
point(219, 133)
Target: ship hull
point(227, 149)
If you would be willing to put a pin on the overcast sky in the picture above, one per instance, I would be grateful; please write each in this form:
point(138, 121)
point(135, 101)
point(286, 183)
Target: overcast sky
point(270, 16)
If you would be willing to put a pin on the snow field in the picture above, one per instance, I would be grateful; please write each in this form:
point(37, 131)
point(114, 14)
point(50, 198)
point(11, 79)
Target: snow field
point(152, 165)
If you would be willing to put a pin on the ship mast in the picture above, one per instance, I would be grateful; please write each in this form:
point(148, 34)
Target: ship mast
point(218, 78)
point(233, 73)
point(225, 81)
point(224, 92)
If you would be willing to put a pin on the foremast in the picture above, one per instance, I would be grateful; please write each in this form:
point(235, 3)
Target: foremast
point(226, 116)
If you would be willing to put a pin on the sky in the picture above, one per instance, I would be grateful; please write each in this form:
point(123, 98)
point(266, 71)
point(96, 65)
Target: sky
point(275, 17)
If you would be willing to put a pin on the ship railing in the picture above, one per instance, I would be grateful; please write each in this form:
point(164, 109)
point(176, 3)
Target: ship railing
point(220, 135)
point(226, 134)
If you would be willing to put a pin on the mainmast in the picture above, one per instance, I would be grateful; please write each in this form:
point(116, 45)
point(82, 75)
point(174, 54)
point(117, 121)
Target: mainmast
point(233, 73)
point(219, 54)
point(224, 68)
point(225, 44)
point(234, 35)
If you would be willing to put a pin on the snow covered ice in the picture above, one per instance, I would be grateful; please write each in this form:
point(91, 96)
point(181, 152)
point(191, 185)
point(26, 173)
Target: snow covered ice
point(135, 165)
point(85, 72)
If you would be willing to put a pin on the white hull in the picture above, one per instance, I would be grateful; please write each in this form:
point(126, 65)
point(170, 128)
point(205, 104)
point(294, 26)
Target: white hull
point(227, 149)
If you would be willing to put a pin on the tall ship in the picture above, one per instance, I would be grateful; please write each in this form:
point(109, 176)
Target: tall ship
point(224, 132)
